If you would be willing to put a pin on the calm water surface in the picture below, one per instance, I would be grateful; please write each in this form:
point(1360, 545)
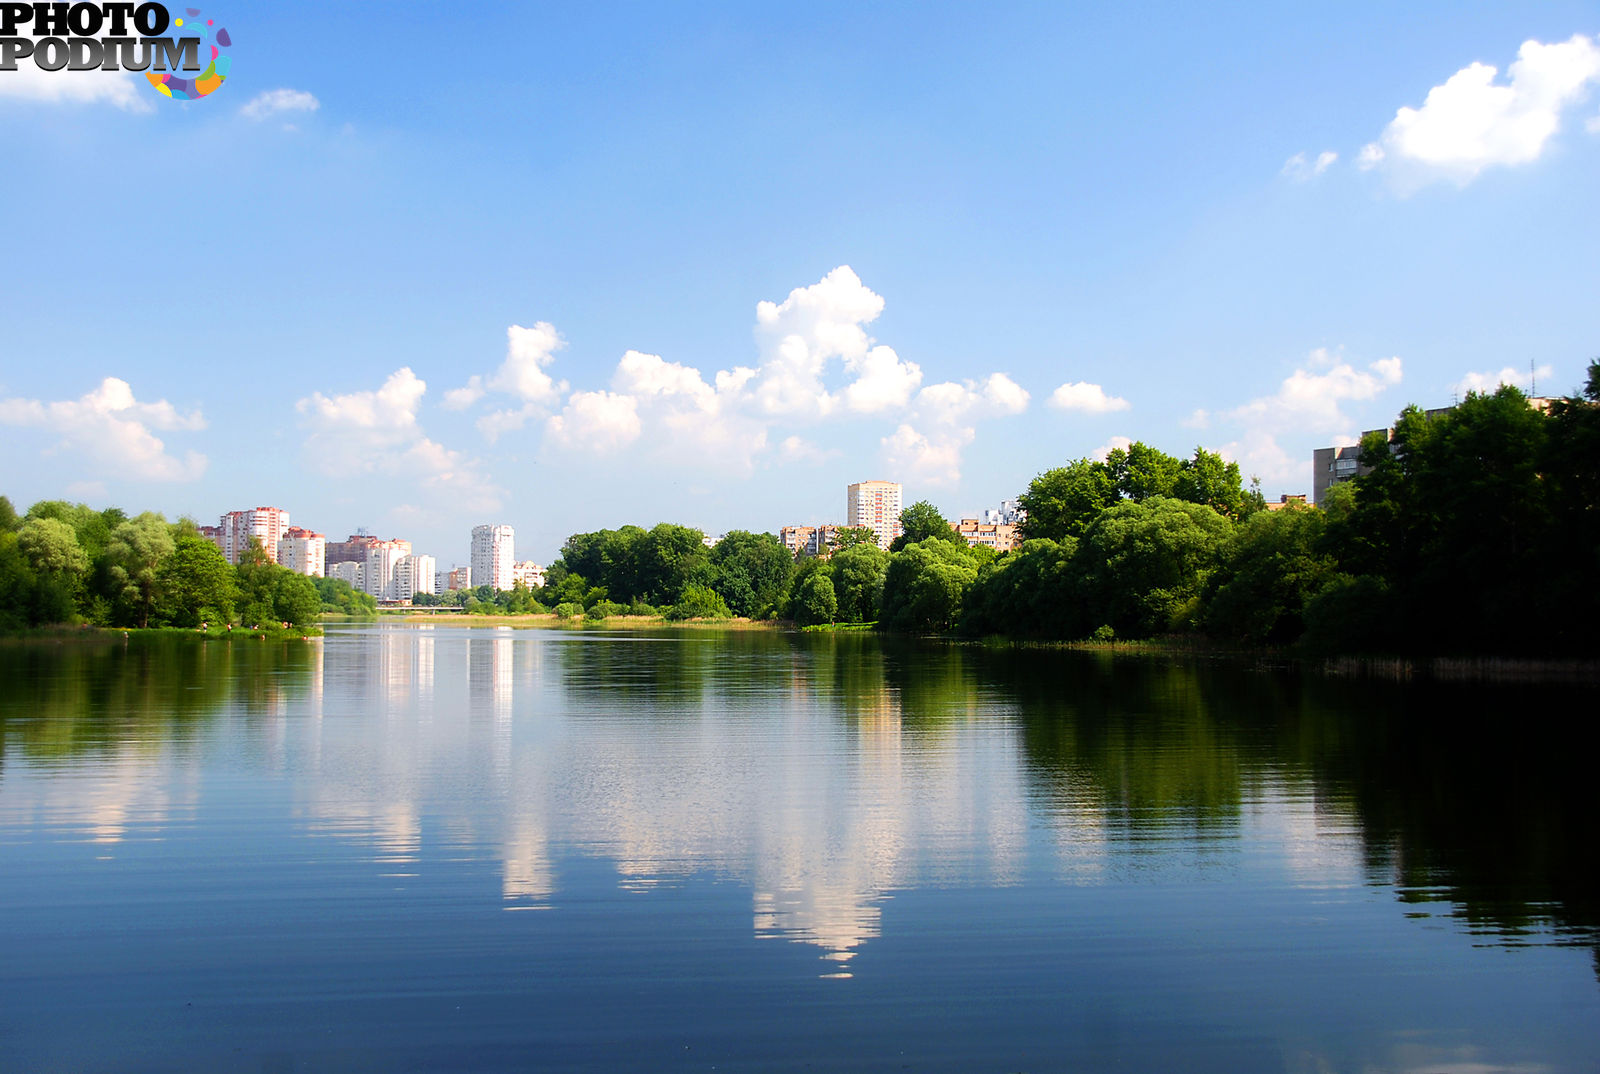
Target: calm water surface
point(445, 848)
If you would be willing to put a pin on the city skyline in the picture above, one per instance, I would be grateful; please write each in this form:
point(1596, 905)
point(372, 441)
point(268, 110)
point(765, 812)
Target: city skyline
point(708, 264)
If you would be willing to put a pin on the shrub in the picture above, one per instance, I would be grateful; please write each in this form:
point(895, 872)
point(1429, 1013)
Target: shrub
point(570, 610)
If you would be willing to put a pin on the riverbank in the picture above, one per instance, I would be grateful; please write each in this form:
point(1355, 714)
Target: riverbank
point(549, 619)
point(85, 632)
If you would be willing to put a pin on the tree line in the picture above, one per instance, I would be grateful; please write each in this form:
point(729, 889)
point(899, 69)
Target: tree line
point(69, 563)
point(1475, 530)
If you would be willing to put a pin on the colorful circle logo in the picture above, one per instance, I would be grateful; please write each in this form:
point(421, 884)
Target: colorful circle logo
point(206, 82)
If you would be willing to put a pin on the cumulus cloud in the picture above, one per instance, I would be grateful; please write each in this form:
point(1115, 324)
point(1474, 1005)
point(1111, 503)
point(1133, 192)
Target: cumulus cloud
point(1302, 168)
point(1086, 397)
point(599, 422)
point(1517, 378)
point(799, 336)
point(1310, 403)
point(112, 429)
point(377, 431)
point(119, 89)
point(933, 459)
point(279, 102)
point(1310, 398)
point(1471, 122)
point(995, 396)
point(521, 375)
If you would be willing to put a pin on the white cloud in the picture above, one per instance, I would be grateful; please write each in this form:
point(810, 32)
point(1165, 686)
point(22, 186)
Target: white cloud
point(528, 351)
point(1310, 401)
point(801, 335)
point(795, 449)
point(112, 429)
point(997, 395)
point(1259, 455)
point(1488, 382)
point(1089, 398)
point(1300, 168)
point(521, 374)
point(1592, 124)
point(1308, 410)
point(119, 89)
point(279, 102)
point(1116, 443)
point(640, 374)
point(1470, 122)
point(373, 420)
point(599, 422)
point(926, 460)
point(883, 381)
point(377, 431)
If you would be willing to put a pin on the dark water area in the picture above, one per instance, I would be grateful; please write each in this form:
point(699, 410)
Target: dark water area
point(424, 847)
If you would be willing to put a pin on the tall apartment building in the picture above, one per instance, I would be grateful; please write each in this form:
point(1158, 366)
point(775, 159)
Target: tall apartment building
point(347, 571)
point(493, 555)
point(352, 549)
point(266, 524)
point(453, 579)
point(875, 505)
point(382, 559)
point(413, 575)
point(303, 552)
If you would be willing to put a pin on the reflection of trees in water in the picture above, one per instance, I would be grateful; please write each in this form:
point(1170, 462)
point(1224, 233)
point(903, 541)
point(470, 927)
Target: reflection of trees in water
point(671, 670)
point(1463, 801)
point(1457, 800)
point(1142, 740)
point(66, 698)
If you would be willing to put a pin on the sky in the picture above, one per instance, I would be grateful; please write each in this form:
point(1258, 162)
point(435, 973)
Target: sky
point(417, 267)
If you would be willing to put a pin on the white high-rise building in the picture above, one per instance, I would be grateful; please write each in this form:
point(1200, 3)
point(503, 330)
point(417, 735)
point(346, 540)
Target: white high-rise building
point(413, 575)
point(303, 552)
point(493, 555)
point(266, 524)
point(353, 573)
point(382, 558)
point(875, 505)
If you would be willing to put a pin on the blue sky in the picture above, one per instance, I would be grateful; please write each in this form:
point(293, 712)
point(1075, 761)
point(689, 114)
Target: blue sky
point(414, 268)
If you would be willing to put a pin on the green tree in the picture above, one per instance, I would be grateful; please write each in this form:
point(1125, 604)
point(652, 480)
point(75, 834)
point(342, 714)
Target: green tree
point(8, 515)
point(924, 585)
point(851, 536)
point(1034, 591)
point(1267, 572)
point(921, 522)
point(133, 557)
point(858, 573)
point(51, 547)
point(1145, 564)
point(699, 602)
point(1141, 471)
point(1207, 478)
point(1062, 503)
point(815, 601)
point(196, 584)
point(339, 597)
point(752, 571)
point(669, 559)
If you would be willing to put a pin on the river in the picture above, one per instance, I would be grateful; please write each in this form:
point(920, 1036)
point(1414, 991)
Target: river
point(438, 847)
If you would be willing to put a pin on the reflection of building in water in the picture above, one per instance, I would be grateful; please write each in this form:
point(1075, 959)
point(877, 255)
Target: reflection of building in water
point(489, 673)
point(528, 878)
point(425, 660)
